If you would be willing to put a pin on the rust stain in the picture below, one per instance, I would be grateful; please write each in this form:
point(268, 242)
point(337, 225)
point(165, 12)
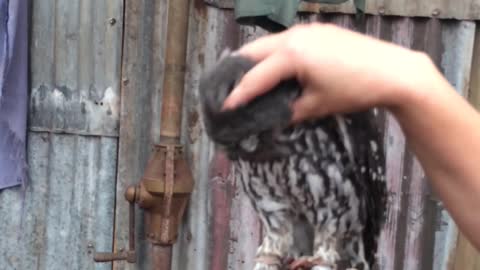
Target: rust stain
point(201, 59)
point(193, 119)
point(231, 34)
point(222, 194)
point(194, 128)
point(220, 166)
point(401, 229)
point(200, 8)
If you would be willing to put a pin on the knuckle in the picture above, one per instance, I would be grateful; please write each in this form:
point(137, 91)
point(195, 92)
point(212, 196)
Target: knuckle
point(301, 27)
point(303, 34)
point(293, 47)
point(329, 27)
point(424, 56)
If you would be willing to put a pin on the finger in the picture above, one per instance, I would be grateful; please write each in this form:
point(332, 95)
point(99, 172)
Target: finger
point(260, 79)
point(307, 107)
point(262, 47)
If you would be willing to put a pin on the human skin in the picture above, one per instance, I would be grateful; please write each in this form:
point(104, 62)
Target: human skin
point(344, 71)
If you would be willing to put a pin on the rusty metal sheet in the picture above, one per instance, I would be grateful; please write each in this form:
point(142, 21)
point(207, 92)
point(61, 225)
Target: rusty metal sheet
point(66, 209)
point(461, 9)
point(75, 63)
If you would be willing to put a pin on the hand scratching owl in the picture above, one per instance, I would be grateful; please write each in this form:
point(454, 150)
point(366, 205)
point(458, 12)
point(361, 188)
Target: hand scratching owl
point(318, 186)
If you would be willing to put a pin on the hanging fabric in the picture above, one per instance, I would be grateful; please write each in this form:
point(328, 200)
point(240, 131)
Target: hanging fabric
point(13, 91)
point(277, 15)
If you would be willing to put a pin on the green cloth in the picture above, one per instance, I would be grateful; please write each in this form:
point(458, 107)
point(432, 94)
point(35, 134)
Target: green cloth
point(277, 15)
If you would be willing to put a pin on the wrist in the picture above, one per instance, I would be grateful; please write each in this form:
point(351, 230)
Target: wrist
point(416, 85)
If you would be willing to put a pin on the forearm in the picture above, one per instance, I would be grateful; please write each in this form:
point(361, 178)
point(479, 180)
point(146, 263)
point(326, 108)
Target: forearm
point(443, 130)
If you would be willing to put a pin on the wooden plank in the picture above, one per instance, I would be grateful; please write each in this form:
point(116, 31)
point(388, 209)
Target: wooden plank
point(461, 9)
point(466, 256)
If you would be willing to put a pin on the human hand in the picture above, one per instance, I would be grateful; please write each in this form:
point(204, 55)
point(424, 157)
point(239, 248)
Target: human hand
point(340, 70)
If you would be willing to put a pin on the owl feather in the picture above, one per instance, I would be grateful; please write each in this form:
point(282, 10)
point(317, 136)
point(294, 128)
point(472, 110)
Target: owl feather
point(317, 186)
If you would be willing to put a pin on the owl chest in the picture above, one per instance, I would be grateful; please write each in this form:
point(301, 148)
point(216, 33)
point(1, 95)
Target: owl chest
point(275, 181)
point(295, 184)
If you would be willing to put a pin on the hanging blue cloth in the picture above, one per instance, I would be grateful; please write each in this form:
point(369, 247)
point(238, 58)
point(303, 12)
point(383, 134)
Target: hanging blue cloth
point(13, 91)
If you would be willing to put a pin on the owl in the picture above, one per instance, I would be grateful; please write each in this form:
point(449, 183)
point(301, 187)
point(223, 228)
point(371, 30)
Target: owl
point(318, 186)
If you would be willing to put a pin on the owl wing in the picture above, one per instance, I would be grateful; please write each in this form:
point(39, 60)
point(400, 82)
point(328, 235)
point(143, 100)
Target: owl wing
point(369, 158)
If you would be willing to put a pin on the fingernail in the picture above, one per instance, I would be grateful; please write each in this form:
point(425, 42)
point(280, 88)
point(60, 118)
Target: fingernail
point(234, 53)
point(230, 103)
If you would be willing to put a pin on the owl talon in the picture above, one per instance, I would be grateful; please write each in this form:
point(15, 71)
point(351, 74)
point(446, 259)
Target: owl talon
point(305, 263)
point(269, 260)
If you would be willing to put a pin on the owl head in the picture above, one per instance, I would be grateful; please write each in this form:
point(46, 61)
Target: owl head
point(246, 130)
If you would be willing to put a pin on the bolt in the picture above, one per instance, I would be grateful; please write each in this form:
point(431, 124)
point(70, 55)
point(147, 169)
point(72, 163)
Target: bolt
point(435, 12)
point(89, 248)
point(112, 21)
point(381, 10)
point(125, 81)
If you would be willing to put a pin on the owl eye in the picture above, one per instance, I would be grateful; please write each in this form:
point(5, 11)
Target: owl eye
point(250, 144)
point(289, 134)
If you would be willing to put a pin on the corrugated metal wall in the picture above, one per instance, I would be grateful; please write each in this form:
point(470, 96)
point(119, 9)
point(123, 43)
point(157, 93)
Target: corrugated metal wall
point(221, 231)
point(94, 114)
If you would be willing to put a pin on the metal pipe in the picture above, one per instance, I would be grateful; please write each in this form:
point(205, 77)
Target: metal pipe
point(175, 66)
point(172, 98)
point(131, 227)
point(161, 257)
